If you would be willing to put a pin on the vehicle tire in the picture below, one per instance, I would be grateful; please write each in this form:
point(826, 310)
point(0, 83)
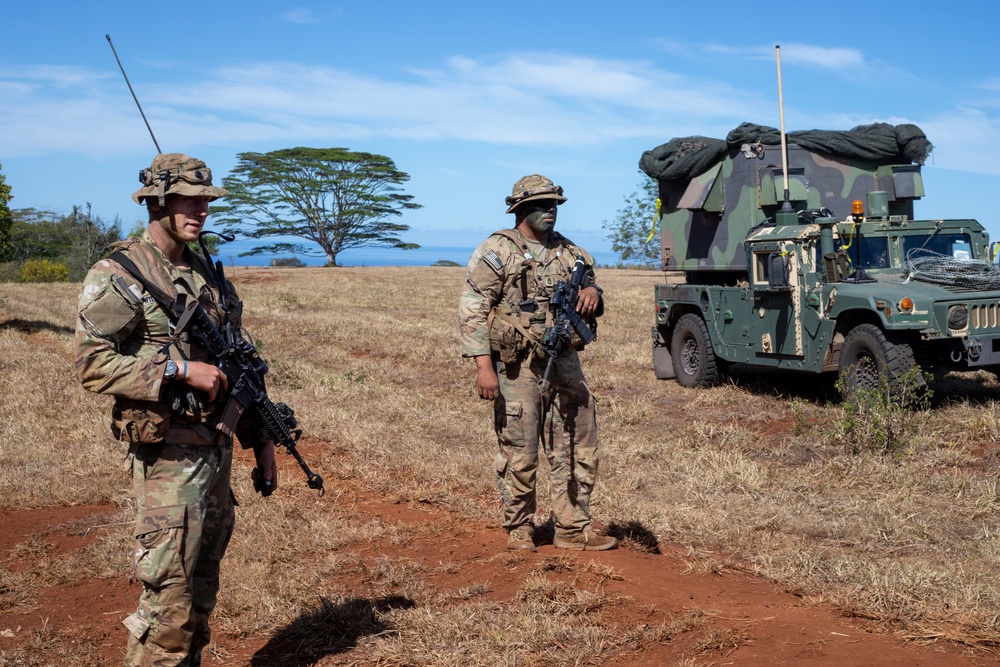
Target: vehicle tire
point(870, 357)
point(691, 348)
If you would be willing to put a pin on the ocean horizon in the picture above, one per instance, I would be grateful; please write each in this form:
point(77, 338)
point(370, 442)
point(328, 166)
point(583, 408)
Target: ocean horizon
point(229, 253)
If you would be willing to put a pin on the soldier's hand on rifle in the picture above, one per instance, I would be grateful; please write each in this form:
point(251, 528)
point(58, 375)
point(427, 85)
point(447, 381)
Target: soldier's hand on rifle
point(487, 383)
point(588, 300)
point(204, 376)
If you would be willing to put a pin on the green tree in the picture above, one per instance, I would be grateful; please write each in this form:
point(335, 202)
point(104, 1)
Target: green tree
point(333, 197)
point(76, 240)
point(631, 227)
point(6, 219)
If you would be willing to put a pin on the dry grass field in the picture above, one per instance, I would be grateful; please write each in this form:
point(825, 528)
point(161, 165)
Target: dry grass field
point(759, 519)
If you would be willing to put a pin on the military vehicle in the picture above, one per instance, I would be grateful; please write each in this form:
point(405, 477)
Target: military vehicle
point(826, 271)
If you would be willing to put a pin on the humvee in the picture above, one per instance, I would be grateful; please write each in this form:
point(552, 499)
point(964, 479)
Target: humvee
point(826, 271)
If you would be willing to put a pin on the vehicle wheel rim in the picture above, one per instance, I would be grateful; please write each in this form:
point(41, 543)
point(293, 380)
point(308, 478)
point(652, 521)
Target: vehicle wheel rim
point(690, 356)
point(866, 373)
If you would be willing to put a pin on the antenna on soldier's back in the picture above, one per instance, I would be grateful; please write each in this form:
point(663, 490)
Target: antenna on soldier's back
point(127, 83)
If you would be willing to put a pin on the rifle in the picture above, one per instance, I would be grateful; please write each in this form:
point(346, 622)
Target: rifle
point(239, 360)
point(566, 320)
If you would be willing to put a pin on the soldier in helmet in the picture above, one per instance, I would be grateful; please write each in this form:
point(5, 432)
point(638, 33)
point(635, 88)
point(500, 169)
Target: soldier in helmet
point(503, 312)
point(168, 400)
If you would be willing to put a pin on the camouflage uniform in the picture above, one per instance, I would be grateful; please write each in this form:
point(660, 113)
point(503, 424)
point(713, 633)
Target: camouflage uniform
point(180, 463)
point(503, 312)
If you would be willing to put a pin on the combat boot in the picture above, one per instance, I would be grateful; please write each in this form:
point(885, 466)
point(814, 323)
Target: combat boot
point(588, 540)
point(522, 537)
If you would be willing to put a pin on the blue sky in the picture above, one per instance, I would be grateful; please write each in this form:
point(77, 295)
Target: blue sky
point(467, 99)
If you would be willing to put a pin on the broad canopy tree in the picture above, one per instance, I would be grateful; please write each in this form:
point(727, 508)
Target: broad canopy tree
point(333, 197)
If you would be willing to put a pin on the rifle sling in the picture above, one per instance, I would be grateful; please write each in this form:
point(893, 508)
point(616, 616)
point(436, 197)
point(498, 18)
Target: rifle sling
point(159, 295)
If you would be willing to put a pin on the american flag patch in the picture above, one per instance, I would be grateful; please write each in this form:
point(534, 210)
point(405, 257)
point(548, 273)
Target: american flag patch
point(493, 260)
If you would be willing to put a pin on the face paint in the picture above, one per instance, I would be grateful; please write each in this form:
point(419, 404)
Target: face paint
point(541, 215)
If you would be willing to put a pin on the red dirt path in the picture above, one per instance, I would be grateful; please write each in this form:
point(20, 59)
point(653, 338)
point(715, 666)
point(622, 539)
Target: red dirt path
point(772, 626)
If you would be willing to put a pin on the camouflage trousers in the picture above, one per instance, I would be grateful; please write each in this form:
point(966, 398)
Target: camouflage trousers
point(185, 519)
point(564, 421)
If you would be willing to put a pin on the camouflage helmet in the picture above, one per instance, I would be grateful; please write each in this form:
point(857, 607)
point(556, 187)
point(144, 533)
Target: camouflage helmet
point(176, 173)
point(533, 187)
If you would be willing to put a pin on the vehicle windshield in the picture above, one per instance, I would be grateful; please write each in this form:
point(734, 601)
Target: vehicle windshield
point(874, 252)
point(957, 246)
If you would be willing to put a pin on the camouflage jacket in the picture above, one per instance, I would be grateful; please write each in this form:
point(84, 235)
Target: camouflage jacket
point(504, 306)
point(124, 339)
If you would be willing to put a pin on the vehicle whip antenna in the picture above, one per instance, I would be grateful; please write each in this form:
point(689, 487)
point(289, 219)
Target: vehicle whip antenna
point(787, 206)
point(127, 83)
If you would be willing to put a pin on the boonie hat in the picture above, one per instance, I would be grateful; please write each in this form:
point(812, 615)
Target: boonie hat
point(176, 173)
point(535, 186)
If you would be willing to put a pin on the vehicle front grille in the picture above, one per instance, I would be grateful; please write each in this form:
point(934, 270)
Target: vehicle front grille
point(984, 316)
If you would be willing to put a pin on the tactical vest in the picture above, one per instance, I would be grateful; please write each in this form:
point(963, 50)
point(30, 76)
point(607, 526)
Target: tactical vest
point(519, 320)
point(183, 411)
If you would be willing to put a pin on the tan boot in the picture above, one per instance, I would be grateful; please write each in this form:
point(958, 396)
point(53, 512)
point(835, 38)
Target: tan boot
point(588, 540)
point(522, 537)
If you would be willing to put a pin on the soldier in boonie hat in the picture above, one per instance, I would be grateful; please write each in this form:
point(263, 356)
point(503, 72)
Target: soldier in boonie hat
point(504, 313)
point(170, 402)
point(176, 173)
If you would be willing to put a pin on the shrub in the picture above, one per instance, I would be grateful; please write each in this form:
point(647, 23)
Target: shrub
point(288, 262)
point(882, 419)
point(43, 271)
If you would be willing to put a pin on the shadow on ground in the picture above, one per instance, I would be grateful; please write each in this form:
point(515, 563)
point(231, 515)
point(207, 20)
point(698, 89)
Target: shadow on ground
point(330, 628)
point(811, 387)
point(635, 535)
point(631, 534)
point(977, 387)
point(34, 326)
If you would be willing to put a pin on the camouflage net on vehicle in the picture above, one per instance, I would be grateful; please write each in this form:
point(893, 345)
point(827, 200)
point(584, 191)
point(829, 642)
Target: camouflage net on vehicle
point(880, 143)
point(932, 267)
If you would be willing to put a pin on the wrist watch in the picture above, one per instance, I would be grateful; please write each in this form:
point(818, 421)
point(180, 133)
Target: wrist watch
point(171, 371)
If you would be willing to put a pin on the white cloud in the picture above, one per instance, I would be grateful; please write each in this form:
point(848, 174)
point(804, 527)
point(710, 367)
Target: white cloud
point(807, 55)
point(991, 84)
point(309, 16)
point(819, 56)
point(518, 99)
point(962, 140)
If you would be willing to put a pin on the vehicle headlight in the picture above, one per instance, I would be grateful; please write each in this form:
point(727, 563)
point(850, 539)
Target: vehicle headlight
point(958, 317)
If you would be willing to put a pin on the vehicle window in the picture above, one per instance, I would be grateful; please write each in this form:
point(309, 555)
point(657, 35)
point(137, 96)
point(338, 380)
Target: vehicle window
point(762, 267)
point(954, 245)
point(874, 253)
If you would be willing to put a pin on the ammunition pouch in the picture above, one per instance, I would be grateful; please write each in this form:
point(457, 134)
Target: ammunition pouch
point(141, 422)
point(510, 339)
point(148, 422)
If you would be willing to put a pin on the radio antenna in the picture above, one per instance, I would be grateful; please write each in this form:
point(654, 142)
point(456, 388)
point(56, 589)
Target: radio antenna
point(787, 206)
point(155, 143)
